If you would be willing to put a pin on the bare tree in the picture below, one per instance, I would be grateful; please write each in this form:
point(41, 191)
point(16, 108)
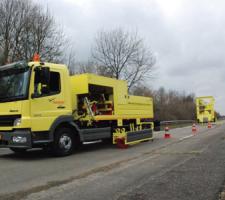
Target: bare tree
point(69, 58)
point(170, 105)
point(87, 67)
point(75, 66)
point(26, 28)
point(123, 55)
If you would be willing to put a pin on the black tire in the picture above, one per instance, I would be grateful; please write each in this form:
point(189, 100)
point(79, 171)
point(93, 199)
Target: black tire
point(107, 141)
point(64, 142)
point(18, 150)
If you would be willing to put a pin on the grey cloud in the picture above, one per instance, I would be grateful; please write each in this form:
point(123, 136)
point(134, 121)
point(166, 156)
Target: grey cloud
point(189, 41)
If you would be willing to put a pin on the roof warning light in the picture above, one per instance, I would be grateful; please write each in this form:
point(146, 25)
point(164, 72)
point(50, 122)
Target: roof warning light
point(36, 57)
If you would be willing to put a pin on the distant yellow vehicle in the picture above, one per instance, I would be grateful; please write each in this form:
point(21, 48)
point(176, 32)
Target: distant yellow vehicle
point(205, 109)
point(42, 106)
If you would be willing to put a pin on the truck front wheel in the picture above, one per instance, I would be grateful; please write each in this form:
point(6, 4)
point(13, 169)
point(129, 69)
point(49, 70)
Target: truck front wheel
point(64, 142)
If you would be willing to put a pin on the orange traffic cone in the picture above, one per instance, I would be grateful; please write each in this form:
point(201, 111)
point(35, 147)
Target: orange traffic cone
point(194, 129)
point(209, 125)
point(167, 134)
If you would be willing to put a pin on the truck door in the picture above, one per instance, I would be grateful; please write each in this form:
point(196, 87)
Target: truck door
point(48, 102)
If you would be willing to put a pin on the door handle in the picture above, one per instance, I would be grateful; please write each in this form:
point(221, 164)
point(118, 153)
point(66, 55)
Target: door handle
point(61, 107)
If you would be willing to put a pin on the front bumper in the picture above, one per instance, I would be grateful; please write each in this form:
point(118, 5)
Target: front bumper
point(6, 139)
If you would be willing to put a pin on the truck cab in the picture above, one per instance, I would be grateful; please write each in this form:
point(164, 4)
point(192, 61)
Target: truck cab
point(33, 95)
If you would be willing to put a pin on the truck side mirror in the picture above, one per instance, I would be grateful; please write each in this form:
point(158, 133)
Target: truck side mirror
point(37, 79)
point(45, 75)
point(34, 95)
point(42, 79)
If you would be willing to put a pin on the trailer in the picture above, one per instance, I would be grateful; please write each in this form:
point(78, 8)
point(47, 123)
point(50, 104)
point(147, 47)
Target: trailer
point(205, 109)
point(41, 105)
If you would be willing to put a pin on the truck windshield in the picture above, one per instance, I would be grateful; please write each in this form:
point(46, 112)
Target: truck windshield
point(14, 81)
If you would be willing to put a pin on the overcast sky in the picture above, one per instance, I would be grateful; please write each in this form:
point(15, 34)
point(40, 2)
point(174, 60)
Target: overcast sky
point(187, 36)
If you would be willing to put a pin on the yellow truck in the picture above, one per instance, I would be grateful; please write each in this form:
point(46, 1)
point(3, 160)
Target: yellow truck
point(205, 109)
point(41, 105)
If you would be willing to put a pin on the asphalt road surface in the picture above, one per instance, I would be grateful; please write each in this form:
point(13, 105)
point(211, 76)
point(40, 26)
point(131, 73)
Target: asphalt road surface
point(185, 167)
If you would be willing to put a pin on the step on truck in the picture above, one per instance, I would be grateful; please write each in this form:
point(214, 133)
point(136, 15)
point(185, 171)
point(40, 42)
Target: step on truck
point(42, 106)
point(205, 109)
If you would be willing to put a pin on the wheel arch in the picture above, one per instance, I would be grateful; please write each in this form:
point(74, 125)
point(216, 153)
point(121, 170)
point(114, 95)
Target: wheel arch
point(64, 121)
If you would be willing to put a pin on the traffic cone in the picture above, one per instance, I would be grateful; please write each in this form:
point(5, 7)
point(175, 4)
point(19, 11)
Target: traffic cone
point(167, 134)
point(209, 125)
point(194, 129)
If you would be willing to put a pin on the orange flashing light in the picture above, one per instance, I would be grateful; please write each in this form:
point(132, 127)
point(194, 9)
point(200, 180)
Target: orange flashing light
point(36, 57)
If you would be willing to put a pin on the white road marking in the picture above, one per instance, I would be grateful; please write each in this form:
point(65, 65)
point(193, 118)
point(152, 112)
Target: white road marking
point(183, 138)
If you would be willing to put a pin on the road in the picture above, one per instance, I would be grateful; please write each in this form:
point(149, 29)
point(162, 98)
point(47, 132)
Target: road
point(187, 167)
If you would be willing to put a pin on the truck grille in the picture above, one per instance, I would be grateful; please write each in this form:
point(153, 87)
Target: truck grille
point(8, 120)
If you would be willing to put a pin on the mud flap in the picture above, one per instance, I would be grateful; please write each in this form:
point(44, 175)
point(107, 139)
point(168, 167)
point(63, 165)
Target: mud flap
point(122, 138)
point(139, 136)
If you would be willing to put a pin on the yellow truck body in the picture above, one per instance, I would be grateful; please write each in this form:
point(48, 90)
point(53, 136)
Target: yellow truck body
point(205, 109)
point(41, 105)
point(125, 106)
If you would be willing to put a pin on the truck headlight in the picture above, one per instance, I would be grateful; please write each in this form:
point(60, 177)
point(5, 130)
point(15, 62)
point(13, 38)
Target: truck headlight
point(17, 122)
point(19, 139)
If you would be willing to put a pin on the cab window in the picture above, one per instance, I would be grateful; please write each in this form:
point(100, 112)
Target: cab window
point(54, 86)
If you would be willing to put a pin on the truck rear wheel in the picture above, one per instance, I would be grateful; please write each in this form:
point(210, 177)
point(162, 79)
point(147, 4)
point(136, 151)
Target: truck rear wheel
point(64, 142)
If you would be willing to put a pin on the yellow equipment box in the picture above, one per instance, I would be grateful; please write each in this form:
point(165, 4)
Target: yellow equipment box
point(111, 96)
